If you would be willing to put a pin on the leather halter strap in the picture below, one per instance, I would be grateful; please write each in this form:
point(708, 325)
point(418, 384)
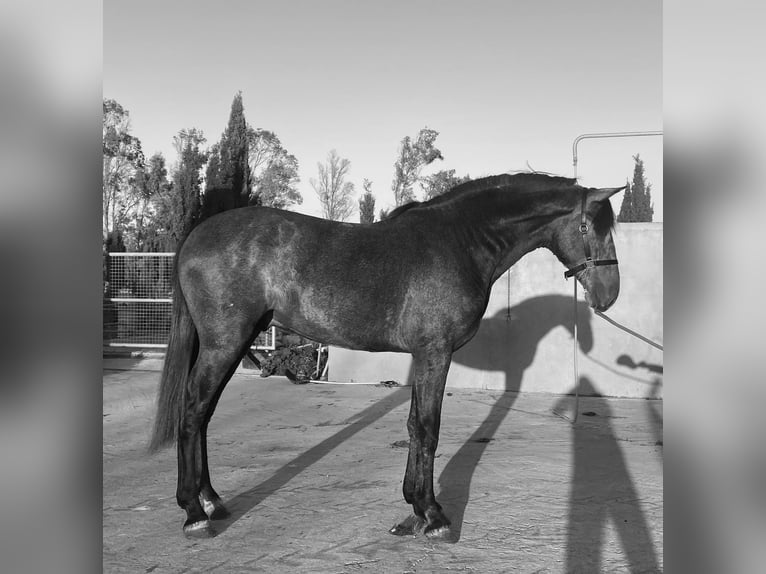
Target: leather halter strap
point(589, 261)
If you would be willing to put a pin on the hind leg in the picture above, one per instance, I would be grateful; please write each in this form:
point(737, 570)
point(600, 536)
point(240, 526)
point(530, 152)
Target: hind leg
point(209, 498)
point(222, 346)
point(211, 371)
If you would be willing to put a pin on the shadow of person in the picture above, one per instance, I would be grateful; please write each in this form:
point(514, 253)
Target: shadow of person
point(505, 342)
point(601, 488)
point(653, 407)
point(654, 412)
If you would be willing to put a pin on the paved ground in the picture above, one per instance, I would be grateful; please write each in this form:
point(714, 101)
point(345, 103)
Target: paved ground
point(312, 475)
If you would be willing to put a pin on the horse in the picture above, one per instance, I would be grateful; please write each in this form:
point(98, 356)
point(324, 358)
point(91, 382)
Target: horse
point(416, 282)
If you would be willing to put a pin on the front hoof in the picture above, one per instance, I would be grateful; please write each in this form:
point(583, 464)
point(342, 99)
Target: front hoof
point(411, 526)
point(199, 529)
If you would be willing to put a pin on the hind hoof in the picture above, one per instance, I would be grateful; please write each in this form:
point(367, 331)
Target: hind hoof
point(199, 529)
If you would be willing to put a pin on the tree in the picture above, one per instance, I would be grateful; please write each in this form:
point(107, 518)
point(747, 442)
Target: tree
point(626, 207)
point(229, 167)
point(213, 171)
point(274, 171)
point(178, 205)
point(441, 182)
point(332, 188)
point(150, 184)
point(412, 158)
point(367, 203)
point(122, 157)
point(637, 201)
point(276, 186)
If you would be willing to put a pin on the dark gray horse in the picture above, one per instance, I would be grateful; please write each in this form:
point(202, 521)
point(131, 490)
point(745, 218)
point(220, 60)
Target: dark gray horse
point(417, 282)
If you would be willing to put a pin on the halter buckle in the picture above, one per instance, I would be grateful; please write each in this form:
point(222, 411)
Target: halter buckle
point(583, 228)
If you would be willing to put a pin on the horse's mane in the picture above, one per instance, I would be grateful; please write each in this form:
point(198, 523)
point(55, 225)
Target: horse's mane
point(402, 208)
point(531, 182)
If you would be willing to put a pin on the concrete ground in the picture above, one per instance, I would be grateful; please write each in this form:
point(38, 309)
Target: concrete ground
point(312, 476)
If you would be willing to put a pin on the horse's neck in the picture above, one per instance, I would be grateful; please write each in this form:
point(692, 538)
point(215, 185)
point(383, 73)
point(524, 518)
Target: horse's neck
point(528, 239)
point(505, 236)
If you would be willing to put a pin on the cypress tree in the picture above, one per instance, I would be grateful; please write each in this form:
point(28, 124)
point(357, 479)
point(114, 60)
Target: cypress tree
point(367, 204)
point(637, 201)
point(626, 209)
point(228, 168)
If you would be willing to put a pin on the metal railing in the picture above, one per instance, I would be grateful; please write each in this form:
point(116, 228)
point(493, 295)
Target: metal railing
point(138, 291)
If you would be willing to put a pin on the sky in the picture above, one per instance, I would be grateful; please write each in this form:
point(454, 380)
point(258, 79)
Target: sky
point(508, 85)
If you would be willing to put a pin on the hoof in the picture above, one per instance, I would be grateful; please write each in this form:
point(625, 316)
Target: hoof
point(199, 529)
point(411, 526)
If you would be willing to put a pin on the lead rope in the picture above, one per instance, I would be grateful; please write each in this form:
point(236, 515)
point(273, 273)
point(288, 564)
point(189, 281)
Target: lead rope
point(624, 328)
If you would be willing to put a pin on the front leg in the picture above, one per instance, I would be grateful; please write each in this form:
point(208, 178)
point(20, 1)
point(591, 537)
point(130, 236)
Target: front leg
point(430, 375)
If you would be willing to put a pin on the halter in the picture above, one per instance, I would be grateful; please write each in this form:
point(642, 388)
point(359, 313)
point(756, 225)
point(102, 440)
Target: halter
point(589, 261)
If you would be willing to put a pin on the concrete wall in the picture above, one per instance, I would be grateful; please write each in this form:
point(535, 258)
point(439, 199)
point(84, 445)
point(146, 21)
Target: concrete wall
point(525, 340)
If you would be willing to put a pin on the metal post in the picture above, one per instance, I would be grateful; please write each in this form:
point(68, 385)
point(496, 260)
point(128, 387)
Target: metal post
point(605, 135)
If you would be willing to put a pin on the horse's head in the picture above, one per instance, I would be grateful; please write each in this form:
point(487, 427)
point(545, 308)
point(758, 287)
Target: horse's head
point(583, 242)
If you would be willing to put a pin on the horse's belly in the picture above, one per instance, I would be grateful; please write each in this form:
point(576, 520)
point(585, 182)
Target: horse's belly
point(359, 332)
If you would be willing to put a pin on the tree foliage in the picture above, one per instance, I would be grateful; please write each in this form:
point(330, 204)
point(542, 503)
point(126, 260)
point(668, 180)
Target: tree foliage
point(367, 203)
point(122, 157)
point(274, 171)
point(178, 205)
point(441, 182)
point(637, 199)
point(413, 156)
point(151, 184)
point(229, 167)
point(335, 193)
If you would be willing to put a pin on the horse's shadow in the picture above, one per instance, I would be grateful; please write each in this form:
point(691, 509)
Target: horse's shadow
point(505, 342)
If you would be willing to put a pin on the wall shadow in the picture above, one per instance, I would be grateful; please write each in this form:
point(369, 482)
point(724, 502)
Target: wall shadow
point(519, 329)
point(245, 501)
point(602, 489)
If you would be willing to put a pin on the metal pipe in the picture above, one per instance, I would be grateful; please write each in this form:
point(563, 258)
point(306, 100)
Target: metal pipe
point(606, 135)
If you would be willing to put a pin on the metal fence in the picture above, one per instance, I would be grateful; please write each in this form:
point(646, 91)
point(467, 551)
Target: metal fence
point(138, 299)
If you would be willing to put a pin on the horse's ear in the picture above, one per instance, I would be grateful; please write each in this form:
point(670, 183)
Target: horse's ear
point(604, 193)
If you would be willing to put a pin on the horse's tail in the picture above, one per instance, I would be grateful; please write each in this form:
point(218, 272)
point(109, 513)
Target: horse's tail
point(179, 357)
